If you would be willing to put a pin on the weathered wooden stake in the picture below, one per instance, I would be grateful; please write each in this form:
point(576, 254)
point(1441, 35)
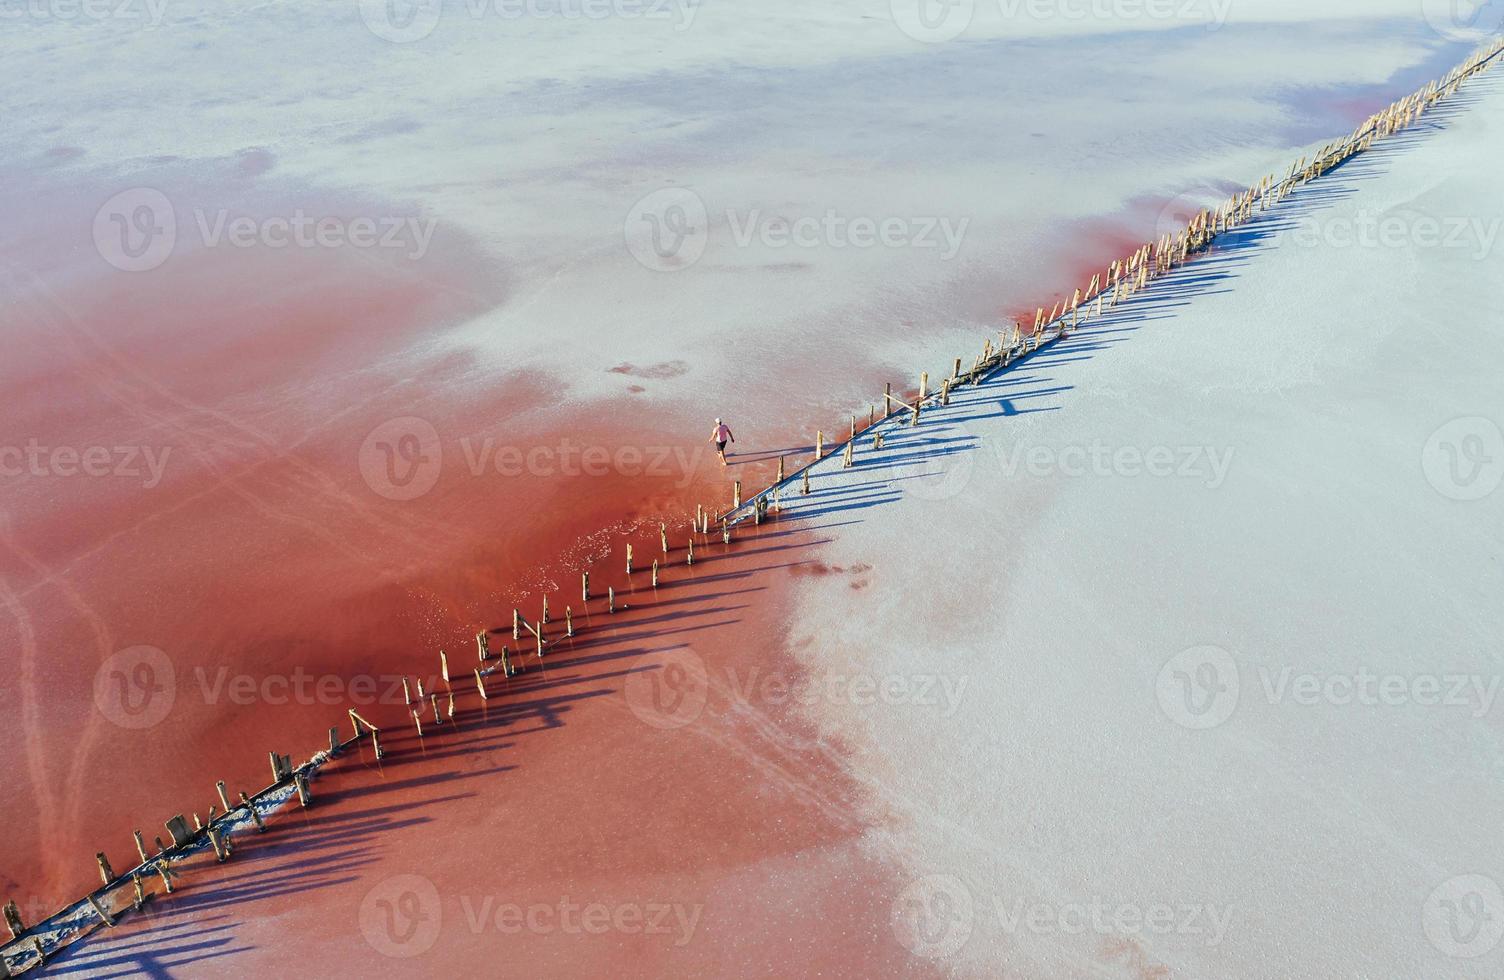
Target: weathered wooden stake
point(301, 782)
point(139, 890)
point(780, 469)
point(517, 617)
point(610, 599)
point(407, 694)
point(245, 801)
point(482, 645)
point(444, 666)
point(819, 444)
point(805, 488)
point(546, 618)
point(106, 873)
point(585, 587)
point(99, 911)
point(663, 537)
point(655, 573)
point(689, 554)
point(629, 547)
point(846, 456)
point(480, 685)
point(736, 495)
point(569, 618)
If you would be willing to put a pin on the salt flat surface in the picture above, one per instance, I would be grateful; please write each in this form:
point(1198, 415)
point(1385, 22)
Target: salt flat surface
point(1208, 602)
point(540, 134)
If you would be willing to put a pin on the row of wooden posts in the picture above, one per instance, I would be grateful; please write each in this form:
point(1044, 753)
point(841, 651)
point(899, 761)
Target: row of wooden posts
point(1120, 280)
point(1126, 276)
point(216, 828)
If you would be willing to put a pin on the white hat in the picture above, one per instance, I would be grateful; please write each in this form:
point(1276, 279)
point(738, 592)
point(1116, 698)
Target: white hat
point(717, 421)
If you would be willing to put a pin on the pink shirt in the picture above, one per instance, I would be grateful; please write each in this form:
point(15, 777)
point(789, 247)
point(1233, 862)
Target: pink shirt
point(722, 433)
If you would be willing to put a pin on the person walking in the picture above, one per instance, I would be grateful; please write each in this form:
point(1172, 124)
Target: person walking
point(721, 435)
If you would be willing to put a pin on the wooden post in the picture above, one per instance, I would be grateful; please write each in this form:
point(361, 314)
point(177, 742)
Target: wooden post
point(663, 537)
point(482, 646)
point(846, 456)
point(162, 869)
point(924, 383)
point(877, 441)
point(689, 554)
point(139, 890)
point(99, 911)
point(106, 873)
point(655, 573)
point(585, 587)
point(805, 489)
point(301, 782)
point(517, 617)
point(546, 618)
point(421, 694)
point(224, 798)
point(13, 919)
point(255, 813)
point(629, 555)
point(736, 495)
point(333, 740)
point(887, 399)
point(610, 599)
point(444, 664)
point(780, 469)
point(140, 845)
point(569, 617)
point(220, 842)
point(955, 372)
point(407, 694)
point(480, 685)
point(538, 634)
point(853, 428)
point(433, 700)
point(418, 721)
point(376, 745)
point(945, 385)
point(819, 444)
